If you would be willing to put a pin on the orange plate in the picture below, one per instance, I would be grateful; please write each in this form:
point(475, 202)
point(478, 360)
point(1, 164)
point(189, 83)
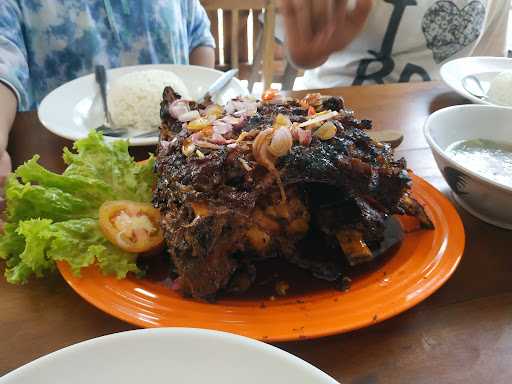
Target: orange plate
point(421, 264)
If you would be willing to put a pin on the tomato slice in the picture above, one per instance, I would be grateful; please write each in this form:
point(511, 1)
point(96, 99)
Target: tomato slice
point(134, 227)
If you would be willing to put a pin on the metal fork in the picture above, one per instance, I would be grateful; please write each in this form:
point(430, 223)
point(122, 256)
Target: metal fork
point(108, 128)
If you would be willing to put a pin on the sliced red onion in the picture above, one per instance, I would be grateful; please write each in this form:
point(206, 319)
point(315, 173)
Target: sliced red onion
point(252, 108)
point(241, 107)
point(241, 123)
point(230, 120)
point(218, 139)
point(305, 136)
point(164, 146)
point(295, 132)
point(220, 127)
point(196, 136)
point(178, 108)
point(189, 116)
point(206, 144)
point(210, 118)
point(230, 107)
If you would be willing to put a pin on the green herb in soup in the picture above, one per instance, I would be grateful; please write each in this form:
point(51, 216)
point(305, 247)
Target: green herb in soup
point(485, 157)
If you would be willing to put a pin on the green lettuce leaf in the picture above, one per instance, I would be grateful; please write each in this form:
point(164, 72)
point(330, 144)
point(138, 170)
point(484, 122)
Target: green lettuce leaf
point(26, 201)
point(53, 217)
point(112, 165)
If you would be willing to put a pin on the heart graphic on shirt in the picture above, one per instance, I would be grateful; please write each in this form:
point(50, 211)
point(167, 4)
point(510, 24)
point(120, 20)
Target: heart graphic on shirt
point(448, 29)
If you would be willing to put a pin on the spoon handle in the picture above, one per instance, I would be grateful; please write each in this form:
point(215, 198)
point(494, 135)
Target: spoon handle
point(219, 84)
point(101, 79)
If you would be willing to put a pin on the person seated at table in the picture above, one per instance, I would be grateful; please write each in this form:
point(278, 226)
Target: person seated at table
point(385, 41)
point(44, 44)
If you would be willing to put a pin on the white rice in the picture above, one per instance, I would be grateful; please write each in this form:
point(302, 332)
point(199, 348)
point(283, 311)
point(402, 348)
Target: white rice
point(500, 91)
point(134, 99)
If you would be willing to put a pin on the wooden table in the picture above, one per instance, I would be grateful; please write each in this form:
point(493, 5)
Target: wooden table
point(462, 334)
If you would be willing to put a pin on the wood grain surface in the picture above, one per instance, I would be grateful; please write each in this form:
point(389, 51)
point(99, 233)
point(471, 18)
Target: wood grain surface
point(462, 334)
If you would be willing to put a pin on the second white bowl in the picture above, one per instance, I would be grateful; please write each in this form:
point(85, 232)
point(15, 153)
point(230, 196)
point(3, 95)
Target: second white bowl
point(478, 194)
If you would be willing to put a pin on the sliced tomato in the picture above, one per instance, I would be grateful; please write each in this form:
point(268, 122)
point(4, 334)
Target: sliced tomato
point(134, 227)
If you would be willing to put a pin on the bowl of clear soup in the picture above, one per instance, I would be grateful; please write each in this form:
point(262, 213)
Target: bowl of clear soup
point(472, 145)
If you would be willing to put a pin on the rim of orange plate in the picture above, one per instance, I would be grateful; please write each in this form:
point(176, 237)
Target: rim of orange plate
point(421, 265)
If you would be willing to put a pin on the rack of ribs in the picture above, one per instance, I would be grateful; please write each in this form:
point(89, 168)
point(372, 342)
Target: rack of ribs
point(254, 180)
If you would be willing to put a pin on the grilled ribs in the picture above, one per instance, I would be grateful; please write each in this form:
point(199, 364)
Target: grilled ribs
point(256, 179)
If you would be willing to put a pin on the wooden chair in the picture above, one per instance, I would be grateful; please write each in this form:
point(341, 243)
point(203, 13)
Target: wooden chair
point(234, 32)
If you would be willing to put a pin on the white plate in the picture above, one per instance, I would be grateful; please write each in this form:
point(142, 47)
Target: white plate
point(485, 68)
point(169, 355)
point(65, 111)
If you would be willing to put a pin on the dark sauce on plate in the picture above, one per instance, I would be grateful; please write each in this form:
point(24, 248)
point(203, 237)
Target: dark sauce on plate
point(158, 268)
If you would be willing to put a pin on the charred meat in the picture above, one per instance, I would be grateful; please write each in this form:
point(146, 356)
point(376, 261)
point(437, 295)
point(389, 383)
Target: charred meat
point(257, 179)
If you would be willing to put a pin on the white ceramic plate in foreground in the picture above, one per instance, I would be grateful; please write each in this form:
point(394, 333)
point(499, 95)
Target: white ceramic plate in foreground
point(485, 68)
point(65, 111)
point(169, 355)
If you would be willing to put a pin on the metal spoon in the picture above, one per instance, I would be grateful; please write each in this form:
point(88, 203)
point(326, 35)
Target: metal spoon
point(108, 128)
point(473, 85)
point(218, 85)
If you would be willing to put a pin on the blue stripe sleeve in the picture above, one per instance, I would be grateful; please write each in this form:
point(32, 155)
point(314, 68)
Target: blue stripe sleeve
point(13, 53)
point(198, 26)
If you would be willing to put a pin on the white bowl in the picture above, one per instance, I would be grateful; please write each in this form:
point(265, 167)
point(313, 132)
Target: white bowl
point(168, 355)
point(479, 195)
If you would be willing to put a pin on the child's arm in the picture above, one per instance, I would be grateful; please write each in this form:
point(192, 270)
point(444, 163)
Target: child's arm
point(204, 56)
point(201, 42)
point(8, 104)
point(317, 28)
point(14, 71)
point(14, 75)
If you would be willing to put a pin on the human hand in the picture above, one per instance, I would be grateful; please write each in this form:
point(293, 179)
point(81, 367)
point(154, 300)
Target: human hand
point(317, 28)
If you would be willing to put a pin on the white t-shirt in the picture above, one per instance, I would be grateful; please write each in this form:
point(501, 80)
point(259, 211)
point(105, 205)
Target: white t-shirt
point(408, 40)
